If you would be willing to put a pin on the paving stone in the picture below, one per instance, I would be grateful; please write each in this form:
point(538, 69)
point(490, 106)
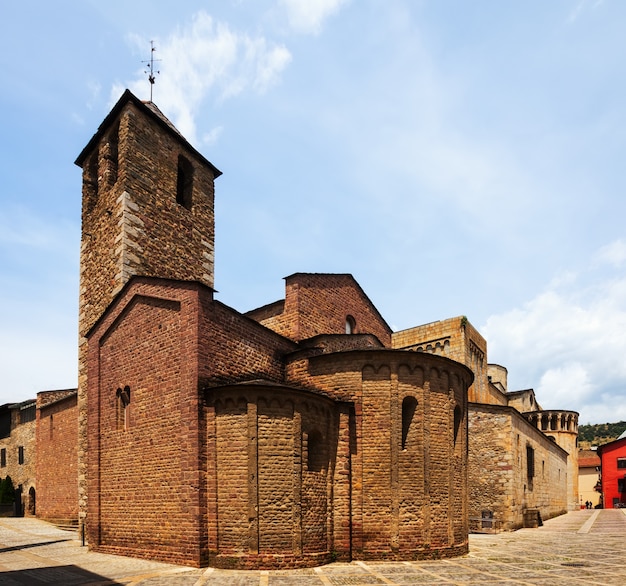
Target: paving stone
point(558, 554)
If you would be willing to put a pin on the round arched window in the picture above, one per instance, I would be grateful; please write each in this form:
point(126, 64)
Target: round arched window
point(350, 325)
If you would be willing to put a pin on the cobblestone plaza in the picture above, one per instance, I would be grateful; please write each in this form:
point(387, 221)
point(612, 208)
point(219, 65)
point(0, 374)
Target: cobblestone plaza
point(581, 547)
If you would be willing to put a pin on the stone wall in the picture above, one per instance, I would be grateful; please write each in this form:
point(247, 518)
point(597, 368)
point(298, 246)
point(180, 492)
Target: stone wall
point(147, 493)
point(19, 454)
point(408, 460)
point(500, 481)
point(457, 339)
point(271, 493)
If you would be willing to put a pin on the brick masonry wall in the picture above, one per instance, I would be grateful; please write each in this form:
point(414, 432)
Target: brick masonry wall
point(319, 304)
point(457, 339)
point(57, 458)
point(147, 492)
point(406, 502)
point(233, 347)
point(270, 489)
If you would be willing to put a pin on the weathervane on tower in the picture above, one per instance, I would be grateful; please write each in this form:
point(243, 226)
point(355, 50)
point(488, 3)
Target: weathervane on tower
point(150, 70)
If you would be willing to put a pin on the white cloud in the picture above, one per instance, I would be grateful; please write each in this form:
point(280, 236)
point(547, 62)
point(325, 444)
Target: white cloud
point(207, 58)
point(569, 342)
point(308, 16)
point(613, 253)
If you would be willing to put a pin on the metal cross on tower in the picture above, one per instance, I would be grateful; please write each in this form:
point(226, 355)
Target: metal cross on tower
point(150, 71)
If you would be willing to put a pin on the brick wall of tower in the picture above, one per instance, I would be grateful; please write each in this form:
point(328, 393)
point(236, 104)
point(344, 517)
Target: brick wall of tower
point(57, 459)
point(132, 223)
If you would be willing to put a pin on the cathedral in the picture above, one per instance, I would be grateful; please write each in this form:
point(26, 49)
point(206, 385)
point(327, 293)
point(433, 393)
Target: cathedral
point(293, 435)
point(299, 433)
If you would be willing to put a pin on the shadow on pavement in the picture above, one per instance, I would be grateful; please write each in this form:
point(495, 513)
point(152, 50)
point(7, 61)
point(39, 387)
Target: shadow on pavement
point(65, 575)
point(26, 546)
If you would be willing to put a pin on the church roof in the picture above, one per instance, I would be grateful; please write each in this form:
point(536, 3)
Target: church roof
point(150, 110)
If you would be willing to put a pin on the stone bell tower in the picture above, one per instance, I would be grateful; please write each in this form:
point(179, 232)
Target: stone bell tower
point(147, 210)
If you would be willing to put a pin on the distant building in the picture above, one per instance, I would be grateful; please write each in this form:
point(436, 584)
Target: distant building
point(613, 470)
point(589, 477)
point(17, 454)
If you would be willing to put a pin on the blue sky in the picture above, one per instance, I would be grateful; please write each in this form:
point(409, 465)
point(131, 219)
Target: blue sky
point(458, 158)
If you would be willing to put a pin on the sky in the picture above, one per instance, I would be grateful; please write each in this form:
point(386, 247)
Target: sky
point(457, 158)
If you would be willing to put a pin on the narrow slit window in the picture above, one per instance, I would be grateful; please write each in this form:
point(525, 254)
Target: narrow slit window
point(315, 452)
point(458, 418)
point(409, 404)
point(123, 408)
point(184, 183)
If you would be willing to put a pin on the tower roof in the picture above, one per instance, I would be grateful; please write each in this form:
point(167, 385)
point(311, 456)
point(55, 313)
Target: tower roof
point(150, 110)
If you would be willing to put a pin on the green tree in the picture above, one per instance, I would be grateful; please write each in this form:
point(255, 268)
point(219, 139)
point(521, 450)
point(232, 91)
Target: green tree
point(7, 491)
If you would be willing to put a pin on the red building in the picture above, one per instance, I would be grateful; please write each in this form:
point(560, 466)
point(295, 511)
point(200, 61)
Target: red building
point(613, 457)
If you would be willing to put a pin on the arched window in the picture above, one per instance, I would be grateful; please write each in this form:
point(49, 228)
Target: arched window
point(409, 404)
point(31, 501)
point(350, 325)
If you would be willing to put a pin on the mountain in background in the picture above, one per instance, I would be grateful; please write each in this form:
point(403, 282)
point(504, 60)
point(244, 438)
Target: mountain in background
point(599, 433)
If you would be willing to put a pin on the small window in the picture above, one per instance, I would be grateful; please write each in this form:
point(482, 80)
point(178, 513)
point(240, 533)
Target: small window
point(184, 183)
point(620, 485)
point(409, 405)
point(123, 408)
point(20, 454)
point(3, 457)
point(458, 418)
point(90, 182)
point(315, 452)
point(621, 462)
point(350, 325)
point(530, 463)
point(51, 426)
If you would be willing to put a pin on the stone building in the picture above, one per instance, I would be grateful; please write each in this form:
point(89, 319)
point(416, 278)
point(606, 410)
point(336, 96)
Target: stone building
point(295, 434)
point(290, 436)
point(17, 454)
point(523, 461)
